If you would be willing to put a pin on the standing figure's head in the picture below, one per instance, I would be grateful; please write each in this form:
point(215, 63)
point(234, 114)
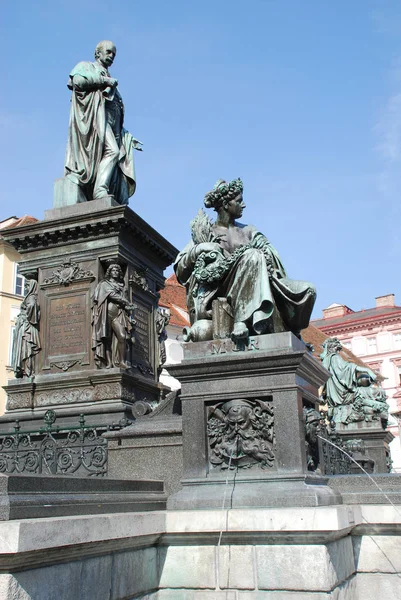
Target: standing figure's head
point(105, 53)
point(331, 346)
point(226, 197)
point(114, 272)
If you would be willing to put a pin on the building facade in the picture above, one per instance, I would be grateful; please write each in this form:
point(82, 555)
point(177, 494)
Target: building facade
point(173, 300)
point(374, 335)
point(11, 294)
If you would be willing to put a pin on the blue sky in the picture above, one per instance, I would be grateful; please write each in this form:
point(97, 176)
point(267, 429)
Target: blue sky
point(300, 98)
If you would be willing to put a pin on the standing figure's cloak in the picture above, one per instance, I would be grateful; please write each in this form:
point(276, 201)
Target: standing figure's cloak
point(109, 300)
point(87, 128)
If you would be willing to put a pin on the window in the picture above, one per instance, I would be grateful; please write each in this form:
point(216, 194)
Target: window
point(397, 340)
point(347, 345)
point(399, 374)
point(19, 282)
point(372, 345)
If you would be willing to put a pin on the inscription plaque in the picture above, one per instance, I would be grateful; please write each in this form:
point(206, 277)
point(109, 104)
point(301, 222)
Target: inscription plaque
point(68, 326)
point(141, 348)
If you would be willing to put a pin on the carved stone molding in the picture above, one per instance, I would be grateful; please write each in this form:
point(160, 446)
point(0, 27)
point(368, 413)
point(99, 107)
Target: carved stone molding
point(109, 222)
point(19, 400)
point(68, 396)
point(241, 434)
point(64, 365)
point(66, 273)
point(138, 278)
point(107, 391)
point(112, 391)
point(128, 394)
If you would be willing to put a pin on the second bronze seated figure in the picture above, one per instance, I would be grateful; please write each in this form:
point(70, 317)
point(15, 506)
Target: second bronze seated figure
point(235, 262)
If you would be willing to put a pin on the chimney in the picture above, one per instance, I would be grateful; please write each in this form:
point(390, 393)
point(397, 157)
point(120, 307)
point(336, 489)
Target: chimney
point(382, 301)
point(336, 310)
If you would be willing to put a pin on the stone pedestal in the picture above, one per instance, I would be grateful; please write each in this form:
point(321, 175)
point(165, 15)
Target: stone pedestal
point(375, 440)
point(67, 193)
point(243, 426)
point(151, 447)
point(363, 489)
point(68, 254)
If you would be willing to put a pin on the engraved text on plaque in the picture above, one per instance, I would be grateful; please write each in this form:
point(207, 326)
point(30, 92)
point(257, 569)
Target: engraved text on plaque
point(68, 329)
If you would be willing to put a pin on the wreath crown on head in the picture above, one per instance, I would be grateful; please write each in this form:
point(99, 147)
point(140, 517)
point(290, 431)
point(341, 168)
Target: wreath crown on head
point(223, 191)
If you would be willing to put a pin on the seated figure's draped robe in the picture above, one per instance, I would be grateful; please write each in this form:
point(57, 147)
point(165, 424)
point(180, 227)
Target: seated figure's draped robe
point(342, 392)
point(87, 129)
point(251, 290)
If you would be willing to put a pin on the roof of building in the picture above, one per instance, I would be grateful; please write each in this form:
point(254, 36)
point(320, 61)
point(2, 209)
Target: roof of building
point(17, 221)
point(173, 297)
point(361, 315)
point(314, 336)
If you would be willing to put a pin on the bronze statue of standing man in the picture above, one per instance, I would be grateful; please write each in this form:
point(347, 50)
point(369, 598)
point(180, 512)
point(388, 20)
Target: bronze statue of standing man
point(111, 321)
point(99, 157)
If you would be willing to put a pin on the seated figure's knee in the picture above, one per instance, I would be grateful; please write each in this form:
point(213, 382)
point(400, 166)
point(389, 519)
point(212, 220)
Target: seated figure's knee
point(253, 256)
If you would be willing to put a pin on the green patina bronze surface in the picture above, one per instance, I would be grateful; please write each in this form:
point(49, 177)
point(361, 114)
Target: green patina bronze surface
point(351, 393)
point(230, 260)
point(99, 158)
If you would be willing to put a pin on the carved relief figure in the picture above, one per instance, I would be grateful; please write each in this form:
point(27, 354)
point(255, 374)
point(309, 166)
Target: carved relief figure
point(26, 342)
point(162, 320)
point(349, 392)
point(111, 321)
point(99, 155)
point(228, 259)
point(241, 434)
point(312, 421)
point(67, 272)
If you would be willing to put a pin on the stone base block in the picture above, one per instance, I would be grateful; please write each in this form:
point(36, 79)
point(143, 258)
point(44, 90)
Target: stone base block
point(66, 193)
point(361, 489)
point(376, 442)
point(82, 207)
point(380, 553)
point(243, 412)
point(346, 591)
point(89, 579)
point(258, 554)
point(239, 492)
point(318, 568)
point(148, 448)
point(28, 496)
point(378, 586)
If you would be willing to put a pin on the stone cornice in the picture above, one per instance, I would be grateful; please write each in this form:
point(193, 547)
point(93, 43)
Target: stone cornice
point(85, 227)
point(361, 324)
